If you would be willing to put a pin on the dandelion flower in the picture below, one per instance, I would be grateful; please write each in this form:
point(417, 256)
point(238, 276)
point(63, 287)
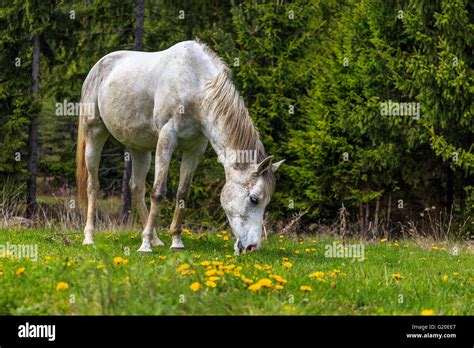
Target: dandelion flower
point(20, 271)
point(151, 262)
point(162, 257)
point(255, 287)
point(265, 282)
point(306, 288)
point(397, 276)
point(205, 263)
point(246, 280)
point(287, 264)
point(317, 274)
point(278, 278)
point(62, 286)
point(213, 279)
point(383, 240)
point(434, 247)
point(211, 272)
point(427, 312)
point(210, 284)
point(117, 260)
point(195, 286)
point(182, 267)
point(444, 278)
point(278, 287)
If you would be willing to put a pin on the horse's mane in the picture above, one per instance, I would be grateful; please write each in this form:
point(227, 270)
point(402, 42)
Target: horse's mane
point(224, 102)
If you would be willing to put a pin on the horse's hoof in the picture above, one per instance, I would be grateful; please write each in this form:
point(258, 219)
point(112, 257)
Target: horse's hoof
point(177, 244)
point(145, 248)
point(157, 242)
point(87, 242)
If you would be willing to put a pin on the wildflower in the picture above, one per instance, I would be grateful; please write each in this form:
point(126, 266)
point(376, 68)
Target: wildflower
point(455, 273)
point(397, 276)
point(306, 288)
point(383, 240)
point(285, 259)
point(434, 247)
point(62, 286)
point(213, 279)
point(278, 287)
point(210, 284)
point(182, 267)
point(255, 287)
point(216, 263)
point(20, 271)
point(197, 256)
point(265, 282)
point(246, 280)
point(307, 250)
point(228, 256)
point(444, 278)
point(317, 274)
point(427, 312)
point(289, 308)
point(162, 257)
point(210, 272)
point(333, 284)
point(278, 278)
point(225, 238)
point(205, 263)
point(195, 286)
point(118, 260)
point(100, 266)
point(151, 262)
point(287, 264)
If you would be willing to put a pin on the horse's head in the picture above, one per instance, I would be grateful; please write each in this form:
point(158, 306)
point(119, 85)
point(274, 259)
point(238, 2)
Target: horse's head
point(245, 195)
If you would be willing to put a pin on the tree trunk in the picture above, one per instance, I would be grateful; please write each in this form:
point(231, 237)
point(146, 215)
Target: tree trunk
point(376, 215)
point(367, 214)
point(449, 189)
point(361, 217)
point(33, 134)
point(126, 195)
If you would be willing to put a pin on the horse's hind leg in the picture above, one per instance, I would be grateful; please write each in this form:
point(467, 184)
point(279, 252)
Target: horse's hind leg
point(140, 167)
point(95, 137)
point(189, 162)
point(164, 150)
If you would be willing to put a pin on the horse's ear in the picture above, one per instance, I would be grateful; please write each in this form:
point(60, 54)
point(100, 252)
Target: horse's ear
point(264, 165)
point(277, 165)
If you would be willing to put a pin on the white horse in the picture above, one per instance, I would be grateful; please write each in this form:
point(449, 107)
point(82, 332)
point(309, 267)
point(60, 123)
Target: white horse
point(182, 97)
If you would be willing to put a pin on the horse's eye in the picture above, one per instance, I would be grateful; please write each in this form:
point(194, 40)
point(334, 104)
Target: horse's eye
point(254, 200)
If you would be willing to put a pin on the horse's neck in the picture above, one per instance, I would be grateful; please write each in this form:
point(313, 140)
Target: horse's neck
point(218, 138)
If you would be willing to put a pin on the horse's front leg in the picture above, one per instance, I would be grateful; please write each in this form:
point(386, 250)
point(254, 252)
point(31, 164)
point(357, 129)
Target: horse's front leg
point(189, 162)
point(164, 150)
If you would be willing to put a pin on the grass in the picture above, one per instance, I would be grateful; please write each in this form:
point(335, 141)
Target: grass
point(159, 283)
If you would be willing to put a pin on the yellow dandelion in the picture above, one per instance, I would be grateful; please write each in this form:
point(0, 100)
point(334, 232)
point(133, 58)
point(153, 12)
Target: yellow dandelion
point(383, 240)
point(278, 278)
point(210, 272)
point(62, 286)
point(455, 273)
point(210, 284)
point(397, 276)
point(118, 260)
point(197, 256)
point(213, 279)
point(255, 287)
point(278, 287)
point(151, 262)
point(205, 263)
point(427, 312)
point(434, 247)
point(225, 238)
point(217, 263)
point(162, 257)
point(333, 284)
point(183, 267)
point(444, 277)
point(195, 286)
point(287, 264)
point(246, 280)
point(20, 271)
point(317, 274)
point(306, 288)
point(289, 309)
point(100, 266)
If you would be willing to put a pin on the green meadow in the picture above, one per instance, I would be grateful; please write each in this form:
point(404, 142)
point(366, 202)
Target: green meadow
point(288, 276)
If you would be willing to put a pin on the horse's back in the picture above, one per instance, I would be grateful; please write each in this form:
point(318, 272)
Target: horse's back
point(137, 92)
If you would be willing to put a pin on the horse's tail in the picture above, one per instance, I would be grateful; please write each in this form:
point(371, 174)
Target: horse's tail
point(81, 169)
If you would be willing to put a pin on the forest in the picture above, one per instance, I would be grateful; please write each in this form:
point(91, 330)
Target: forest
point(370, 102)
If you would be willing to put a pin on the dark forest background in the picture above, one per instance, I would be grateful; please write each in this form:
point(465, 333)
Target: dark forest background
point(313, 75)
